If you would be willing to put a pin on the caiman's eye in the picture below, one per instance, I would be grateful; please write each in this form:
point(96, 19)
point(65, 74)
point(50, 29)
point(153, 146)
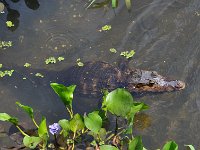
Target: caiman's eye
point(151, 82)
point(154, 74)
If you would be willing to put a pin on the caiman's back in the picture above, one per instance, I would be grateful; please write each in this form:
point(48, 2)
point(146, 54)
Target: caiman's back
point(94, 76)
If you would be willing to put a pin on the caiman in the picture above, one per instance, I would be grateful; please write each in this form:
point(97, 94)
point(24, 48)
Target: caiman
point(95, 76)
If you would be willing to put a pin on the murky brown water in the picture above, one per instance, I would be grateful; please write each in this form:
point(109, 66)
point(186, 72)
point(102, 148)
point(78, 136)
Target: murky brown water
point(164, 34)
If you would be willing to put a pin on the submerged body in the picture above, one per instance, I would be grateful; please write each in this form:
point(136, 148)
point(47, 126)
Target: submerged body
point(95, 76)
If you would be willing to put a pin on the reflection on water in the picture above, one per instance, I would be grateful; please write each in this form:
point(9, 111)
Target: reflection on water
point(164, 34)
point(13, 15)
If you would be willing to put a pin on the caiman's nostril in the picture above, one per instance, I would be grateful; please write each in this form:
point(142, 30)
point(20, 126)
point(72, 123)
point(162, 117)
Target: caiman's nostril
point(180, 85)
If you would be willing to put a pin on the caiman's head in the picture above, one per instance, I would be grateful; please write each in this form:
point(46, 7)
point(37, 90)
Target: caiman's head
point(151, 81)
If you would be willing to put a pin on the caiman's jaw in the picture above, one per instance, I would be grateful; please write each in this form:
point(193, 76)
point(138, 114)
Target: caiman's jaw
point(151, 81)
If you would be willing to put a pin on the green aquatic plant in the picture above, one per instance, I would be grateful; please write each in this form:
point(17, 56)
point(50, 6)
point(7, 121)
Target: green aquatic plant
point(79, 63)
point(106, 28)
point(6, 73)
point(61, 58)
point(113, 50)
point(50, 60)
point(39, 75)
point(9, 24)
point(103, 3)
point(128, 54)
point(5, 44)
point(27, 65)
point(69, 133)
point(1, 65)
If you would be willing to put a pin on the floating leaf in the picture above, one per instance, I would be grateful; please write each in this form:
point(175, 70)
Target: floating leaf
point(108, 147)
point(76, 123)
point(171, 145)
point(119, 102)
point(113, 50)
point(27, 109)
point(93, 121)
point(128, 54)
point(191, 147)
point(65, 93)
point(135, 144)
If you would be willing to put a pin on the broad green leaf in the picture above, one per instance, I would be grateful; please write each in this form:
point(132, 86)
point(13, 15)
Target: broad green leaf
point(119, 102)
point(31, 141)
point(76, 123)
point(128, 4)
point(27, 109)
point(171, 145)
point(65, 126)
point(135, 144)
point(114, 3)
point(93, 121)
point(65, 93)
point(108, 147)
point(7, 117)
point(42, 130)
point(191, 147)
point(4, 117)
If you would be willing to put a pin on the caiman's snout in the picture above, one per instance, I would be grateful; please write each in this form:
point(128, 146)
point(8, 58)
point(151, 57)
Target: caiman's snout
point(177, 84)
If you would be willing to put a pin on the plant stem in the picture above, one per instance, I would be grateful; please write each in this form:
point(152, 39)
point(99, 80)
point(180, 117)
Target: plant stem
point(70, 112)
point(116, 126)
point(35, 122)
point(23, 133)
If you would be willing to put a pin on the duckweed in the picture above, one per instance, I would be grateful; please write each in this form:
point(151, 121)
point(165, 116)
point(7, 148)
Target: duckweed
point(9, 24)
point(4, 44)
point(113, 50)
point(79, 63)
point(27, 65)
point(128, 54)
point(6, 73)
point(106, 28)
point(50, 60)
point(39, 75)
point(61, 58)
point(1, 65)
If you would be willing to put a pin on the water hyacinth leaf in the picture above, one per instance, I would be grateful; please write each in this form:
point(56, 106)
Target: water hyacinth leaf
point(93, 121)
point(190, 147)
point(108, 147)
point(65, 126)
point(119, 102)
point(136, 144)
point(76, 123)
point(27, 109)
point(42, 130)
point(7, 117)
point(128, 4)
point(114, 3)
point(65, 93)
point(31, 141)
point(171, 145)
